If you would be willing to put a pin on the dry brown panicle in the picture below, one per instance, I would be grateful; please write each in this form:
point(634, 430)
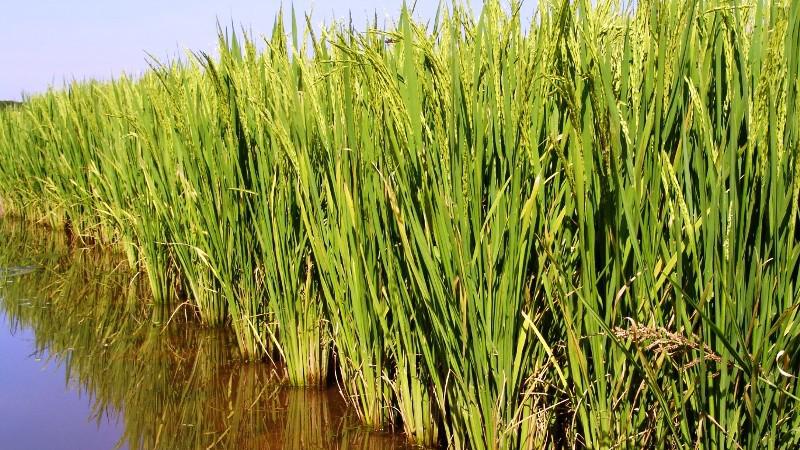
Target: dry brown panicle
point(661, 340)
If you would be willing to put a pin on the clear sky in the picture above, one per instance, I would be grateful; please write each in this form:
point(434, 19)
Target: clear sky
point(45, 42)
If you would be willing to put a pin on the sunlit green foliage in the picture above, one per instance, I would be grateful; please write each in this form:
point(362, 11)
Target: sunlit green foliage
point(581, 232)
point(169, 382)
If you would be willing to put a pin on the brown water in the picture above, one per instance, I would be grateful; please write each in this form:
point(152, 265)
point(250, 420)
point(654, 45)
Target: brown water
point(85, 363)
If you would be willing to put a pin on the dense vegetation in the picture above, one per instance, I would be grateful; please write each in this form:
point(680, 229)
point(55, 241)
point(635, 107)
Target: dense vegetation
point(578, 234)
point(171, 383)
point(8, 104)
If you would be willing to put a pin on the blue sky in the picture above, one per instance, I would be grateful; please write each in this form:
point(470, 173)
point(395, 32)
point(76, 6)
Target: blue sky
point(45, 42)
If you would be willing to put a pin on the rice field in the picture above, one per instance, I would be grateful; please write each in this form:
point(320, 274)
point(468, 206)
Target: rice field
point(580, 232)
point(149, 380)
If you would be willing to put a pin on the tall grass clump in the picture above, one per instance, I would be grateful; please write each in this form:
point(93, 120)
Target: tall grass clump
point(169, 383)
point(574, 231)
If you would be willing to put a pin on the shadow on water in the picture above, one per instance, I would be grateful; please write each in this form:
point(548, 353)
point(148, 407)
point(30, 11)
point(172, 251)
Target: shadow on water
point(174, 386)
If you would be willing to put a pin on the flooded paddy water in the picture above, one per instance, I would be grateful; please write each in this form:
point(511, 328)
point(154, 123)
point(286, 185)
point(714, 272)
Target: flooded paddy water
point(87, 363)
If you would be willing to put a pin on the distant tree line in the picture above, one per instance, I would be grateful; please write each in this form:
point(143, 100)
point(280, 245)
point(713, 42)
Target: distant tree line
point(8, 103)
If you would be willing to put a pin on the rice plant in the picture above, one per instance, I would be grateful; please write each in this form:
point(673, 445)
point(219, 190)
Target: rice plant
point(577, 232)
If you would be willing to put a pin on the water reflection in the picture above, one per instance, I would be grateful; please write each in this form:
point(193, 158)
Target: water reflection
point(173, 386)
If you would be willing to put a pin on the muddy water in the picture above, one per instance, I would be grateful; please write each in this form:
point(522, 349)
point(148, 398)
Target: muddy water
point(85, 363)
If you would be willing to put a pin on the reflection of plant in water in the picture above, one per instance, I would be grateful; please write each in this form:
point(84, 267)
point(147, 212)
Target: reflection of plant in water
point(179, 386)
